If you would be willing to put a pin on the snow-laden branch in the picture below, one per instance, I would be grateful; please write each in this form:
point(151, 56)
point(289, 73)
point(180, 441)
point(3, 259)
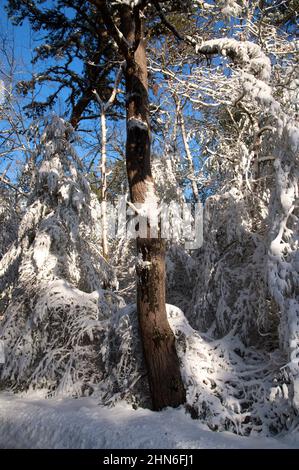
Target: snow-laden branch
point(245, 54)
point(12, 186)
point(248, 55)
point(130, 3)
point(112, 97)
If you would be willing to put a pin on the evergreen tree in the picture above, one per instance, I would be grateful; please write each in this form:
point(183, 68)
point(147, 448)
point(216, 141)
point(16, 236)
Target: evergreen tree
point(75, 55)
point(55, 275)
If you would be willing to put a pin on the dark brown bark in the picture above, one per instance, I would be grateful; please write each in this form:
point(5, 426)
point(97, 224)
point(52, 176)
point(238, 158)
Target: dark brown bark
point(157, 337)
point(80, 107)
point(95, 80)
point(158, 340)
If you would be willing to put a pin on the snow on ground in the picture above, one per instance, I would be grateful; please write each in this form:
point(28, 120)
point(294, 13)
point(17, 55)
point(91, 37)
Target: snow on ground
point(30, 421)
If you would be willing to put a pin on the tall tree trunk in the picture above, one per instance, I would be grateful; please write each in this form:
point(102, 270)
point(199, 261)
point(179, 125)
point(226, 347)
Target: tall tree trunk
point(157, 337)
point(104, 182)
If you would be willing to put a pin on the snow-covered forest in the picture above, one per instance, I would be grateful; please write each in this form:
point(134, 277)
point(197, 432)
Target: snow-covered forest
point(149, 209)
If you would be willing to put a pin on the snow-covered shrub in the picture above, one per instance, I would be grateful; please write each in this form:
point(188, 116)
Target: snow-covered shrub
point(125, 374)
point(283, 243)
point(247, 269)
point(167, 178)
point(8, 220)
point(59, 303)
point(180, 276)
point(229, 386)
point(231, 292)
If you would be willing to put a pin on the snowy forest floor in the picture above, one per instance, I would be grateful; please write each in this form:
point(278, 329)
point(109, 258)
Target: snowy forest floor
point(30, 421)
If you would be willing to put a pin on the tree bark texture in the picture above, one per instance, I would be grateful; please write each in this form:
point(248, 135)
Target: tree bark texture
point(158, 341)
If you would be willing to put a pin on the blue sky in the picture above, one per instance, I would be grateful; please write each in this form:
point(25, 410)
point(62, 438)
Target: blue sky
point(24, 41)
point(20, 36)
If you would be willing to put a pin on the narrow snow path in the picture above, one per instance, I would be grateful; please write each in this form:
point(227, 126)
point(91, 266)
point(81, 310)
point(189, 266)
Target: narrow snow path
point(32, 422)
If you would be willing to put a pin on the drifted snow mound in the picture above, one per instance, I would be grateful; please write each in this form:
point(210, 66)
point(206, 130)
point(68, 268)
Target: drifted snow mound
point(31, 422)
point(229, 386)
